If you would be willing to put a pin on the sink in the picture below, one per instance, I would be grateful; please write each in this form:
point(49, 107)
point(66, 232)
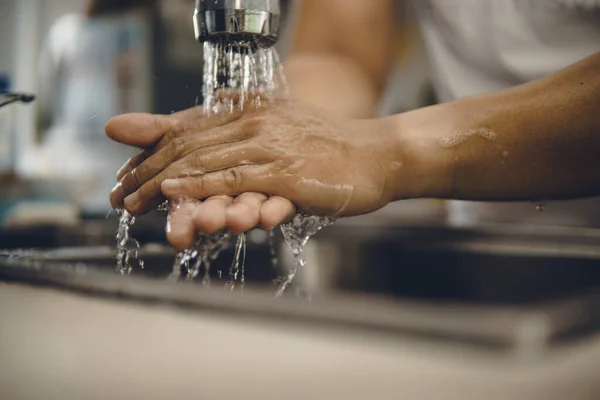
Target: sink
point(506, 265)
point(523, 290)
point(440, 308)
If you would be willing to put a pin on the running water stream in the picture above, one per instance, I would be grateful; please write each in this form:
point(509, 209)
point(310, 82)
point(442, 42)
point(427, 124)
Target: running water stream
point(127, 247)
point(235, 74)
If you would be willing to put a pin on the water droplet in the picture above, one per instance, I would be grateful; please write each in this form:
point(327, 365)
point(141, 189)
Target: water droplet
point(127, 247)
point(540, 205)
point(296, 233)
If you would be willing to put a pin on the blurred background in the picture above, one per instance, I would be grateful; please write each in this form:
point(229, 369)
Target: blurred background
point(87, 61)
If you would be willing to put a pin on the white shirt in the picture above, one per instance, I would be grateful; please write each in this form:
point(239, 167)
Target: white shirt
point(479, 46)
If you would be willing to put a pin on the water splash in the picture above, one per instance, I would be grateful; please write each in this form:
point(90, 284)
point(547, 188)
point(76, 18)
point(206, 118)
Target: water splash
point(205, 249)
point(238, 265)
point(127, 247)
point(272, 249)
point(296, 233)
point(236, 75)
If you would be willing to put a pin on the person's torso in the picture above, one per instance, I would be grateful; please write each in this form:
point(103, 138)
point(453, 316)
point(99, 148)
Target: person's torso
point(478, 46)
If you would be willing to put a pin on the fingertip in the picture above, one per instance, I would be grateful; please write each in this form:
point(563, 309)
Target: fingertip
point(116, 196)
point(180, 235)
point(240, 218)
point(275, 211)
point(210, 216)
point(180, 229)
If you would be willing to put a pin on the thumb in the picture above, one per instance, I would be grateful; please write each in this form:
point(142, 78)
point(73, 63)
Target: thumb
point(139, 129)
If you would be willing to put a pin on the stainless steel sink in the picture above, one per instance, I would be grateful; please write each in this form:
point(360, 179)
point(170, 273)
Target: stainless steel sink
point(523, 290)
point(493, 312)
point(508, 265)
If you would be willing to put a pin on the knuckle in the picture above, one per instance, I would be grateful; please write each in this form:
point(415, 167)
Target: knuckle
point(174, 132)
point(159, 123)
point(254, 125)
point(233, 179)
point(148, 192)
point(198, 186)
point(177, 147)
point(135, 178)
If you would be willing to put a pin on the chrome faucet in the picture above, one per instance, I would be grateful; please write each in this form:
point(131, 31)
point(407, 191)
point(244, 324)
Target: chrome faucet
point(254, 22)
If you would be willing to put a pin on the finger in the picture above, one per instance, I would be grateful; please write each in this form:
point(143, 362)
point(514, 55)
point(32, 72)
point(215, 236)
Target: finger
point(146, 178)
point(275, 211)
point(229, 182)
point(180, 227)
point(172, 143)
point(139, 129)
point(189, 114)
point(188, 126)
point(244, 213)
point(210, 216)
point(132, 163)
point(178, 148)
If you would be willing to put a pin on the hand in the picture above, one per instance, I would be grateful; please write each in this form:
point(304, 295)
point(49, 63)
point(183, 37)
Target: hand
point(153, 132)
point(325, 165)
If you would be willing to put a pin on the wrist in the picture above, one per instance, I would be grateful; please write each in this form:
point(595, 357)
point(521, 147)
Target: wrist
point(418, 166)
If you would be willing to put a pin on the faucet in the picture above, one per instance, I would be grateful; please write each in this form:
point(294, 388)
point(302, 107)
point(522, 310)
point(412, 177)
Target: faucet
point(251, 22)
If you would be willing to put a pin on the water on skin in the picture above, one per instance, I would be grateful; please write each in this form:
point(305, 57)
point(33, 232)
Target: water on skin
point(458, 138)
point(255, 76)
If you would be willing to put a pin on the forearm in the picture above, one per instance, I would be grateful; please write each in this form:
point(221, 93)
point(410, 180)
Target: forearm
point(536, 141)
point(332, 82)
point(341, 54)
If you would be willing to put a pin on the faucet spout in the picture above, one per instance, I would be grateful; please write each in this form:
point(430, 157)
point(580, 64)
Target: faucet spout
point(252, 22)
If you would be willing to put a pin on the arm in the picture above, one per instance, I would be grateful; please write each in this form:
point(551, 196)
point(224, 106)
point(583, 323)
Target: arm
point(538, 140)
point(341, 54)
point(543, 141)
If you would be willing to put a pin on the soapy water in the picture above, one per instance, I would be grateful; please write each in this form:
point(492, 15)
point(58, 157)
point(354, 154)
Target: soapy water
point(235, 74)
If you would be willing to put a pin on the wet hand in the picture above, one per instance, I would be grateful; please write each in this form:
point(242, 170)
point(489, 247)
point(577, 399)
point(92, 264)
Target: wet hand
point(153, 132)
point(188, 216)
point(325, 165)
